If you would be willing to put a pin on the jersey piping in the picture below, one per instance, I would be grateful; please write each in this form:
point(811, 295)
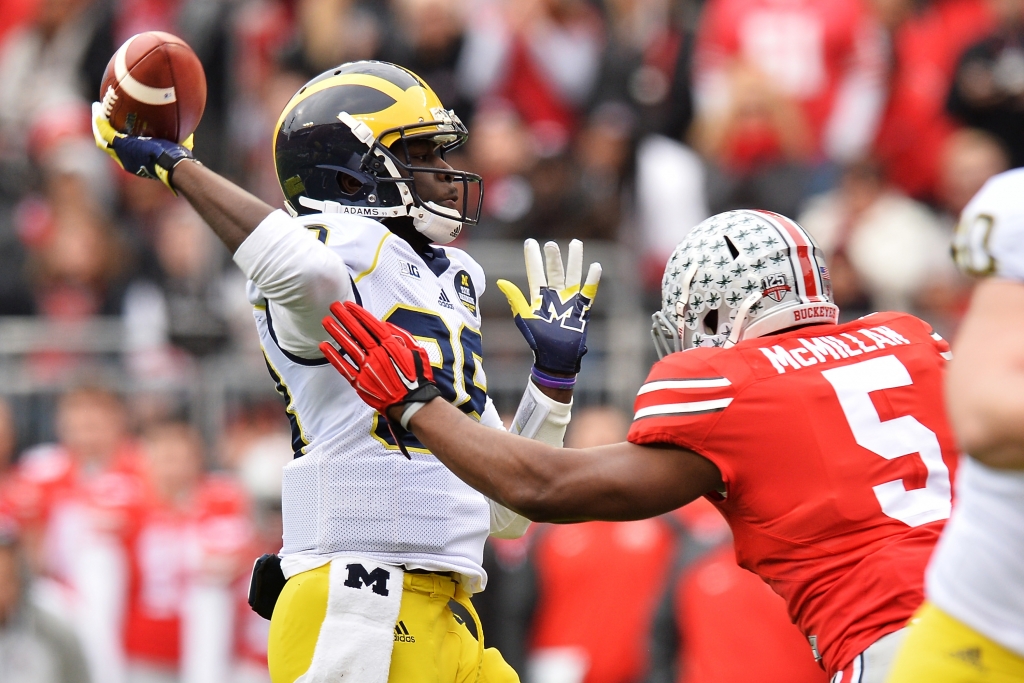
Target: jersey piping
point(376, 258)
point(308, 362)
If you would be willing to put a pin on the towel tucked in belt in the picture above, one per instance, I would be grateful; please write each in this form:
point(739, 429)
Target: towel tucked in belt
point(357, 634)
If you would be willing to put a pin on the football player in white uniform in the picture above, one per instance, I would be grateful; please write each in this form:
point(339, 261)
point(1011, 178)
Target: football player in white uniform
point(971, 628)
point(375, 544)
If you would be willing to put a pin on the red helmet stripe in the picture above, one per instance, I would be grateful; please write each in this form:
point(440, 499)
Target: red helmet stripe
point(804, 248)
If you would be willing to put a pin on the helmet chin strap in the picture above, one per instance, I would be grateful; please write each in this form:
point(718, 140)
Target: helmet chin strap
point(439, 229)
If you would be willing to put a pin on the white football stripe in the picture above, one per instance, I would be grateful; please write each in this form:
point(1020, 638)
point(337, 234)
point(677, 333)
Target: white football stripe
point(140, 92)
point(682, 408)
point(708, 383)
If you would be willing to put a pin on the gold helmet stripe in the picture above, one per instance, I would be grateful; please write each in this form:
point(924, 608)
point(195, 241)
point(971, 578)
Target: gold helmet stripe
point(408, 107)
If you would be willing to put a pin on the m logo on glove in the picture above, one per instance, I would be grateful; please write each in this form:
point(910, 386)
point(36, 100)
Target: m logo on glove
point(554, 320)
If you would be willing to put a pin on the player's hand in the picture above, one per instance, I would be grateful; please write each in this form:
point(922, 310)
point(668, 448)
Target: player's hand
point(145, 157)
point(381, 361)
point(554, 320)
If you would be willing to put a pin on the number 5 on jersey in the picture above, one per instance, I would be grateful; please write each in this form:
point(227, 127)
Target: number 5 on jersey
point(892, 439)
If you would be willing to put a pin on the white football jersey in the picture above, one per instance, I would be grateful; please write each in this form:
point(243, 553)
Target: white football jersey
point(977, 572)
point(990, 235)
point(349, 489)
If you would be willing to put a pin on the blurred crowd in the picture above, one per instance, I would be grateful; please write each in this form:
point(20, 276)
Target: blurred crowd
point(126, 542)
point(871, 121)
point(125, 548)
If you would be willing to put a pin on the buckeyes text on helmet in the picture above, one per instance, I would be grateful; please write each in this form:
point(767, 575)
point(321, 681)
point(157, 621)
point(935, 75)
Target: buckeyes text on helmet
point(739, 275)
point(341, 146)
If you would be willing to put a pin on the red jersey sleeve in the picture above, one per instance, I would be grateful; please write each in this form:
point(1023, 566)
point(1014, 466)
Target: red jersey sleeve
point(680, 403)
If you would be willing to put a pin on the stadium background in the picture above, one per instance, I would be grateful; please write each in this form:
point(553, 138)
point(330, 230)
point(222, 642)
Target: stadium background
point(620, 122)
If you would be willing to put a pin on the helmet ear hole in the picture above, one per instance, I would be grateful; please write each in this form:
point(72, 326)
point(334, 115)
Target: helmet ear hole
point(711, 321)
point(732, 248)
point(348, 184)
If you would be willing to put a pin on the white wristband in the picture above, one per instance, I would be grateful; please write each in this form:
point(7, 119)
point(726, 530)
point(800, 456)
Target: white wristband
point(540, 417)
point(410, 410)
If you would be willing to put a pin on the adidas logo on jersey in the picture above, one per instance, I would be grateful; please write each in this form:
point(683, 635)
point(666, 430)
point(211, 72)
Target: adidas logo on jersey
point(402, 634)
point(443, 300)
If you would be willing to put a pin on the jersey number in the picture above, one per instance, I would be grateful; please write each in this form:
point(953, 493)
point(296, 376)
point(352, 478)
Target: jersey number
point(892, 439)
point(457, 361)
point(971, 246)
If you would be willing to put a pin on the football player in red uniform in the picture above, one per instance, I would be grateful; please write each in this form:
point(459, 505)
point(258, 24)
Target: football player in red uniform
point(825, 446)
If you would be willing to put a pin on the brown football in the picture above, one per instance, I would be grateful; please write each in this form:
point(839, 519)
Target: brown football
point(154, 86)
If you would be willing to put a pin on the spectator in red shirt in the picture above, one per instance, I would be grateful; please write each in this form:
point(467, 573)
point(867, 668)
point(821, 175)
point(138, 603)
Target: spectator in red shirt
point(822, 56)
point(783, 91)
point(73, 500)
point(543, 56)
point(732, 626)
point(189, 545)
point(925, 48)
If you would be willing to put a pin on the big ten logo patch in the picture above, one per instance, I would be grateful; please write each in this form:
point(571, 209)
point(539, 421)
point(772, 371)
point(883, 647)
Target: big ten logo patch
point(377, 580)
point(465, 290)
point(774, 286)
point(409, 269)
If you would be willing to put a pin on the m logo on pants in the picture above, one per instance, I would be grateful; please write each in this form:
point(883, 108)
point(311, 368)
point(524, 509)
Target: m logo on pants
point(358, 577)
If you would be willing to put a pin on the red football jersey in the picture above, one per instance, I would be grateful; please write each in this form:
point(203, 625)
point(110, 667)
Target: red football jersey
point(837, 458)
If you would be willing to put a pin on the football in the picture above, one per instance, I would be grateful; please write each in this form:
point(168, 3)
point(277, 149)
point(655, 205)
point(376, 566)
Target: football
point(154, 86)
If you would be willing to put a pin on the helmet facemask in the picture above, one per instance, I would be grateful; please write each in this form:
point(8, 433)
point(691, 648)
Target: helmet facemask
point(388, 183)
point(740, 275)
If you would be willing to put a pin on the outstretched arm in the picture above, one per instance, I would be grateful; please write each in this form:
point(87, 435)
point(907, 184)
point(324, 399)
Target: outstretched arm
point(229, 210)
point(298, 276)
point(392, 374)
point(618, 482)
point(232, 212)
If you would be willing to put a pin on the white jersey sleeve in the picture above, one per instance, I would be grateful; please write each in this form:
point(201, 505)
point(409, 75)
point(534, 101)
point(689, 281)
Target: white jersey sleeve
point(298, 275)
point(989, 238)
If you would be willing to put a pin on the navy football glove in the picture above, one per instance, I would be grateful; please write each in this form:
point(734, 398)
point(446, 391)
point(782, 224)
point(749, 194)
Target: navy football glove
point(554, 321)
point(145, 157)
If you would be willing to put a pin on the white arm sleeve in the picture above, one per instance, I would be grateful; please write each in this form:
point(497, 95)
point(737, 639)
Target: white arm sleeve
point(300, 277)
point(540, 418)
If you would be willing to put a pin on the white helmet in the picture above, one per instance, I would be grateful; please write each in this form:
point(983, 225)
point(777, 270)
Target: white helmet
point(739, 275)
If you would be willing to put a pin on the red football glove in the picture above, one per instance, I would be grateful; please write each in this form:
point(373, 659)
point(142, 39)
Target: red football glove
point(382, 362)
